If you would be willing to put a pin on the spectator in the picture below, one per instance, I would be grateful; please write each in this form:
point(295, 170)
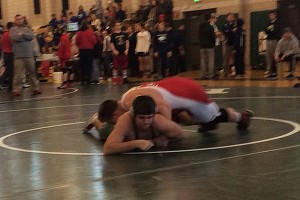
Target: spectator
point(143, 48)
point(120, 14)
point(85, 40)
point(132, 57)
point(286, 48)
point(95, 22)
point(72, 17)
point(81, 14)
point(164, 11)
point(120, 47)
point(97, 56)
point(107, 53)
point(8, 57)
point(207, 40)
point(162, 50)
point(64, 55)
point(273, 36)
point(53, 22)
point(21, 37)
point(228, 31)
point(239, 47)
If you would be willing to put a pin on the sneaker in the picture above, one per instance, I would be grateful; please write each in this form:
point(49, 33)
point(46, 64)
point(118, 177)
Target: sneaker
point(89, 124)
point(267, 72)
point(207, 127)
point(36, 92)
point(245, 121)
point(272, 77)
point(63, 86)
point(2, 87)
point(25, 85)
point(290, 77)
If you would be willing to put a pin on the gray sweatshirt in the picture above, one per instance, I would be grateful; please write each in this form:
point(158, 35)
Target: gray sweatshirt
point(287, 46)
point(21, 37)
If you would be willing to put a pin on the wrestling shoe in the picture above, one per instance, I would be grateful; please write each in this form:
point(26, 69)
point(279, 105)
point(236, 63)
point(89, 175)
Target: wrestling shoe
point(89, 124)
point(207, 127)
point(245, 121)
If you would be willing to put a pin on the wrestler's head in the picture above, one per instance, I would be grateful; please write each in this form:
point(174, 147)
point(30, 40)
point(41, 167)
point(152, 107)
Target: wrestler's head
point(143, 110)
point(108, 111)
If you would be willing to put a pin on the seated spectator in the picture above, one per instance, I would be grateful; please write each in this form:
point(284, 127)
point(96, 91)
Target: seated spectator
point(81, 14)
point(72, 18)
point(53, 22)
point(95, 21)
point(286, 48)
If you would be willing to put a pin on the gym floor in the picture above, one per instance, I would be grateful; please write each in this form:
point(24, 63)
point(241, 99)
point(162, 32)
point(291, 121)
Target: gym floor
point(44, 155)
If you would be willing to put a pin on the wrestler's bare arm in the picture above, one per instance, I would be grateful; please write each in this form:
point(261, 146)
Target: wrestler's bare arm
point(169, 129)
point(115, 143)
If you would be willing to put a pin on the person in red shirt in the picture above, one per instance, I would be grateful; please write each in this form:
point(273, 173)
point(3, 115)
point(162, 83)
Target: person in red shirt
point(86, 41)
point(8, 57)
point(64, 55)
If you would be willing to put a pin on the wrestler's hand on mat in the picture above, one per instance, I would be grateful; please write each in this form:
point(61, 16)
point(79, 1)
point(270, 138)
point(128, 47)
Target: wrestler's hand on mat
point(144, 145)
point(161, 141)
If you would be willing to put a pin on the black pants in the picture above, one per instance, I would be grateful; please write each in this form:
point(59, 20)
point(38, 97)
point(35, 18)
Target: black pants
point(162, 63)
point(86, 64)
point(174, 63)
point(239, 61)
point(8, 59)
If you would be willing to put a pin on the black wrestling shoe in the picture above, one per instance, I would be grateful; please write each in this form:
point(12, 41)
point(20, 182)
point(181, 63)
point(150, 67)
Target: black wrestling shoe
point(245, 121)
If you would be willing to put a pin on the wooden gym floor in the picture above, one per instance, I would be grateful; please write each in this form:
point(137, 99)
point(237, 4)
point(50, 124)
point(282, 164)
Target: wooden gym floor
point(44, 155)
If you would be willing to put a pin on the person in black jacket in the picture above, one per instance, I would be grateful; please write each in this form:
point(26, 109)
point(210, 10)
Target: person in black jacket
point(239, 47)
point(273, 36)
point(207, 40)
point(162, 50)
point(228, 30)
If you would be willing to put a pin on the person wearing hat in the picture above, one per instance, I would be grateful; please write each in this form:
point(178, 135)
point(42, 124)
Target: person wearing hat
point(141, 128)
point(286, 48)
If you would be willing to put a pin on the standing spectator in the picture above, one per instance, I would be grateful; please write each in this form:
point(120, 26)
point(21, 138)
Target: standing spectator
point(85, 40)
point(8, 57)
point(21, 37)
point(286, 48)
point(81, 14)
point(64, 55)
point(207, 40)
point(97, 56)
point(239, 47)
point(120, 47)
point(120, 14)
point(107, 53)
point(132, 57)
point(177, 47)
point(228, 30)
point(273, 36)
point(143, 48)
point(162, 50)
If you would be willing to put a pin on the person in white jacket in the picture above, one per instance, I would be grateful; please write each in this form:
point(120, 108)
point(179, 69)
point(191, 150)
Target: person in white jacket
point(143, 48)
